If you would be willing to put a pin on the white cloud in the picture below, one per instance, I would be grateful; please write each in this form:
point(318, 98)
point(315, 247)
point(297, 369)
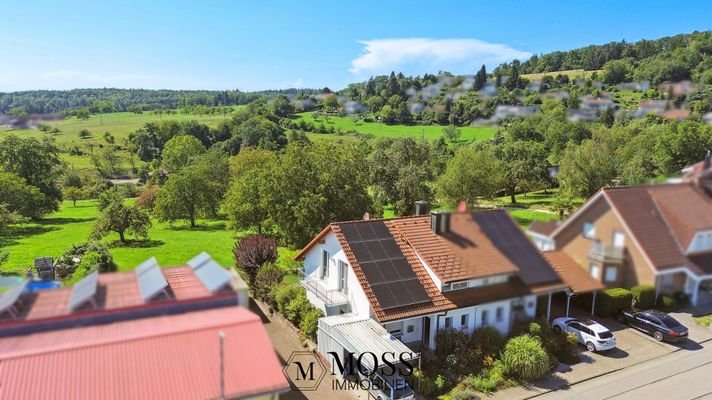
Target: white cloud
point(385, 55)
point(298, 84)
point(86, 77)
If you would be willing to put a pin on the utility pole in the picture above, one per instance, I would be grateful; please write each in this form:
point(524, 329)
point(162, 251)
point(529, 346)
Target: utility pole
point(221, 335)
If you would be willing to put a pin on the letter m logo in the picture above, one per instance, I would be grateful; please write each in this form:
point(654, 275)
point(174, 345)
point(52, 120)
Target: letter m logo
point(301, 372)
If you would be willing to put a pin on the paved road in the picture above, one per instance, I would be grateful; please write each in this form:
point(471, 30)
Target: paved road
point(685, 374)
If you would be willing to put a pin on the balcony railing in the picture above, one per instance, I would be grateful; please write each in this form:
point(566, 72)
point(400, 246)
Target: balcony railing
point(606, 253)
point(321, 289)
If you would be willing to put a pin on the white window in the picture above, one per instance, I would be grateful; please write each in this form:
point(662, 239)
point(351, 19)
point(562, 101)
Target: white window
point(410, 328)
point(324, 264)
point(618, 239)
point(595, 271)
point(464, 321)
point(500, 314)
point(448, 322)
point(485, 318)
point(459, 285)
point(611, 274)
point(589, 230)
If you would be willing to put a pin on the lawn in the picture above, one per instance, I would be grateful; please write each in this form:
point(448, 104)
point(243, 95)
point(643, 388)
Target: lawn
point(705, 320)
point(525, 217)
point(429, 132)
point(170, 244)
point(628, 99)
point(571, 73)
point(118, 124)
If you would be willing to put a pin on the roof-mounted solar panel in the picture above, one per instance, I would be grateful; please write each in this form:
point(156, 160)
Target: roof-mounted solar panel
point(84, 291)
point(12, 297)
point(146, 265)
point(213, 276)
point(199, 260)
point(151, 282)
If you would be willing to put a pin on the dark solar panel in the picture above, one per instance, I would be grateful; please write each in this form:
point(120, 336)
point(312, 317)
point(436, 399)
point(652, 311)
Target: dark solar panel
point(511, 241)
point(386, 269)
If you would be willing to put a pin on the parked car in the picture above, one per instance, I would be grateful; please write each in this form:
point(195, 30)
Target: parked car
point(591, 334)
point(656, 323)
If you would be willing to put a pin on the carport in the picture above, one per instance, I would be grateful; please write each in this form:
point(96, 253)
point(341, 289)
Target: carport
point(574, 276)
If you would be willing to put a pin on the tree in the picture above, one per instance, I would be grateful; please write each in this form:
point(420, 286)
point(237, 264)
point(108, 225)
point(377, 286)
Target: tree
point(608, 117)
point(471, 174)
point(310, 190)
point(562, 204)
point(147, 198)
point(180, 151)
point(586, 168)
point(248, 200)
point(615, 72)
point(282, 107)
point(480, 79)
point(19, 198)
point(525, 166)
point(120, 218)
point(74, 194)
point(197, 190)
point(82, 113)
point(451, 133)
point(260, 132)
point(253, 252)
point(38, 163)
point(107, 161)
point(84, 134)
point(268, 276)
point(375, 103)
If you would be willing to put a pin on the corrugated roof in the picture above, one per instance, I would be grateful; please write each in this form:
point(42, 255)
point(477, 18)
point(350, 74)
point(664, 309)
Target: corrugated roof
point(174, 357)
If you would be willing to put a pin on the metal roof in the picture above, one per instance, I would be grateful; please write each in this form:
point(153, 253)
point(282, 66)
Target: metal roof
point(361, 335)
point(174, 357)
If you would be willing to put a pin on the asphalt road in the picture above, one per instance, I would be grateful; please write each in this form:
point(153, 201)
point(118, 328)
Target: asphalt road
point(684, 374)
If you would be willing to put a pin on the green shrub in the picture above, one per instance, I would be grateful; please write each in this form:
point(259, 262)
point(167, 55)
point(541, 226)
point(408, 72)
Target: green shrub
point(297, 307)
point(525, 358)
point(283, 294)
point(310, 322)
point(644, 296)
point(667, 303)
point(610, 301)
point(489, 340)
point(71, 260)
point(450, 341)
point(268, 276)
point(429, 387)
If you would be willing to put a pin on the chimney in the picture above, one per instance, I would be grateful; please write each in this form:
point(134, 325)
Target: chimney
point(421, 207)
point(440, 222)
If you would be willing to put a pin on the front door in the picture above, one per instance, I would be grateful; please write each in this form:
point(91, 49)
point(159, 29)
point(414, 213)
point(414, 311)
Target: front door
point(426, 331)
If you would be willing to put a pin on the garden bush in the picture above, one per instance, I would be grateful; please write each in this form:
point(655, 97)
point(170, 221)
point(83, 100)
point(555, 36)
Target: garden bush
point(644, 296)
point(282, 294)
point(667, 303)
point(310, 322)
point(253, 252)
point(268, 276)
point(71, 259)
point(524, 358)
point(489, 340)
point(297, 306)
point(610, 301)
point(429, 387)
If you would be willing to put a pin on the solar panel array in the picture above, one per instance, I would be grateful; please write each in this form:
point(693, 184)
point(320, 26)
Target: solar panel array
point(509, 239)
point(151, 281)
point(386, 269)
point(8, 300)
point(84, 291)
point(211, 274)
point(199, 260)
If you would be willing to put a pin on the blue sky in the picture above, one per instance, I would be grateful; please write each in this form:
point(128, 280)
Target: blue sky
point(269, 44)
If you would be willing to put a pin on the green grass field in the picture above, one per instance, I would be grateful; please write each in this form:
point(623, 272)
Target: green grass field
point(628, 99)
point(429, 132)
point(571, 73)
point(171, 244)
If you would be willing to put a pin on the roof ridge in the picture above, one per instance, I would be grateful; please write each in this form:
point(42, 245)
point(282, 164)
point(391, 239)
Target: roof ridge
point(132, 337)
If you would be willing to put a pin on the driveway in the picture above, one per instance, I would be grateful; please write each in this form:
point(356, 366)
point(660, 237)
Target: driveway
point(634, 347)
point(285, 341)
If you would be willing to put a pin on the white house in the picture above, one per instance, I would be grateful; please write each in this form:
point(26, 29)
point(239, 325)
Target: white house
point(418, 275)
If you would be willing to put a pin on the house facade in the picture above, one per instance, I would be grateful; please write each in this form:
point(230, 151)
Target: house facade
point(659, 235)
point(418, 275)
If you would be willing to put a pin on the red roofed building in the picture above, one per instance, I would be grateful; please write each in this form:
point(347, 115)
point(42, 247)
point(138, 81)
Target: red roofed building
point(167, 357)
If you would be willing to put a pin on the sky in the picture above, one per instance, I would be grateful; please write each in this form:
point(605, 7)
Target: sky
point(263, 44)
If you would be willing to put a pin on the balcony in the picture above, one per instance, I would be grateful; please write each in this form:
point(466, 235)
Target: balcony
point(321, 289)
point(606, 253)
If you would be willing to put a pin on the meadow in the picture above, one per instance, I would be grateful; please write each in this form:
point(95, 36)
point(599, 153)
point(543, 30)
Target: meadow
point(571, 73)
point(377, 129)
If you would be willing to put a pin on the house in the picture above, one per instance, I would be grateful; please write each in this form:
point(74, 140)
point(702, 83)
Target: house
point(640, 86)
point(598, 103)
point(180, 332)
point(676, 114)
point(421, 274)
point(700, 174)
point(655, 107)
point(677, 89)
point(511, 111)
point(539, 232)
point(583, 115)
point(650, 234)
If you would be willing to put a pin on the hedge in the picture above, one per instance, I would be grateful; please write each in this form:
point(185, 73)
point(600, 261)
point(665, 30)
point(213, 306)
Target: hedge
point(667, 303)
point(644, 296)
point(609, 301)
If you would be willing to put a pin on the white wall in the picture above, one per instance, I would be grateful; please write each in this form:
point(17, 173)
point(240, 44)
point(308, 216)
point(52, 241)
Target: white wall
point(476, 314)
point(358, 302)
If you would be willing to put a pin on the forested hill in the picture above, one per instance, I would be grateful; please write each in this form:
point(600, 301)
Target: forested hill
point(672, 58)
point(117, 100)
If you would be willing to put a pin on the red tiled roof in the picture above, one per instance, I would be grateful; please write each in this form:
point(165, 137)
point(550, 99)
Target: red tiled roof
point(174, 357)
point(572, 273)
point(545, 228)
